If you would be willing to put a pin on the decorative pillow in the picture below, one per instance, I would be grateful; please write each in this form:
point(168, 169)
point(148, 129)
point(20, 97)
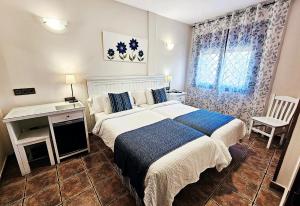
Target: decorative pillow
point(120, 102)
point(149, 96)
point(139, 97)
point(159, 95)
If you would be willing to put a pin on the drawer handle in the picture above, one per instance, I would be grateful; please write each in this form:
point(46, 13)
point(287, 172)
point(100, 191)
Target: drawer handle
point(68, 116)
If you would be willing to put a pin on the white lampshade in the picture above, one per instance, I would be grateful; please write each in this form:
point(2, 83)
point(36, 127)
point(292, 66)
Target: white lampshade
point(70, 79)
point(168, 78)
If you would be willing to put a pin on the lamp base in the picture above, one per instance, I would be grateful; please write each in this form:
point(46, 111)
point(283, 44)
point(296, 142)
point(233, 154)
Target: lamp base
point(70, 99)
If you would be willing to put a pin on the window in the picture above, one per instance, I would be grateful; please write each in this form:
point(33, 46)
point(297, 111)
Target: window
point(228, 60)
point(208, 68)
point(234, 75)
point(228, 73)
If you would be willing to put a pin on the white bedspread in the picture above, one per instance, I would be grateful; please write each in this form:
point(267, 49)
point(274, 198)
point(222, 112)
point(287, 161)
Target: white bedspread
point(172, 172)
point(230, 133)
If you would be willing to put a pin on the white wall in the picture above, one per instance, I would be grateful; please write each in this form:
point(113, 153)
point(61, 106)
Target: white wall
point(287, 82)
point(31, 56)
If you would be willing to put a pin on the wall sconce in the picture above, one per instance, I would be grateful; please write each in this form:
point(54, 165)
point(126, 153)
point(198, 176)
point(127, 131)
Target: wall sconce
point(54, 25)
point(169, 45)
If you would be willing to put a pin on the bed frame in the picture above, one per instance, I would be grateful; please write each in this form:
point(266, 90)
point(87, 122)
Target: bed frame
point(99, 85)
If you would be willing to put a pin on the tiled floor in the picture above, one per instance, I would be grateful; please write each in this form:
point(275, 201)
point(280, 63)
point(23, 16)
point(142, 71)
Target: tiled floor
point(91, 180)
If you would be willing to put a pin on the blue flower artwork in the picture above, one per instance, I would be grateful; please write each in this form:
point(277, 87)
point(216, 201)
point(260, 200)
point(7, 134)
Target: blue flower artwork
point(111, 54)
point(133, 44)
point(119, 47)
point(141, 55)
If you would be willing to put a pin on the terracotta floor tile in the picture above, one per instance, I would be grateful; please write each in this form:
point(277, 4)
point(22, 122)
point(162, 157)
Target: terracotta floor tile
point(40, 181)
point(249, 173)
point(101, 172)
point(12, 192)
point(235, 185)
point(74, 185)
point(94, 159)
point(259, 164)
point(211, 203)
point(226, 196)
point(70, 168)
point(17, 203)
point(86, 198)
point(126, 200)
point(47, 197)
point(41, 170)
point(266, 182)
point(94, 148)
point(110, 189)
point(267, 198)
point(11, 172)
point(246, 188)
point(94, 139)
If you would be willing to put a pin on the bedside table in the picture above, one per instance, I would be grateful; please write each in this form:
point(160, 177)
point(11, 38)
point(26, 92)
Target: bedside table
point(177, 96)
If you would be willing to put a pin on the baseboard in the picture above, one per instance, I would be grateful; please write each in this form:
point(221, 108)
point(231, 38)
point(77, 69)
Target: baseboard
point(277, 187)
point(2, 167)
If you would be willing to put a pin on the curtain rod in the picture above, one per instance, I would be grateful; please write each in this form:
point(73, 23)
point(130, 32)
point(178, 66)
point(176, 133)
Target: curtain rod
point(267, 3)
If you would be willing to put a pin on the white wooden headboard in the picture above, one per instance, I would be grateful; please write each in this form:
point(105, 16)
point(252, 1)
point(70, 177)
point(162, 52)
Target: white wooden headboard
point(99, 85)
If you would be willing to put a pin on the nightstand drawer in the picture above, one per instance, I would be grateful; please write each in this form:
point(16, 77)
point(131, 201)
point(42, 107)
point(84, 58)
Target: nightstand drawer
point(66, 116)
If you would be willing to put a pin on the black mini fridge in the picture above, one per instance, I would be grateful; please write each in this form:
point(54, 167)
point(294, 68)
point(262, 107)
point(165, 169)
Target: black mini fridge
point(70, 136)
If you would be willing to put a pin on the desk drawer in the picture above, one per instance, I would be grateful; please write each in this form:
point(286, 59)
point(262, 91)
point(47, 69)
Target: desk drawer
point(66, 116)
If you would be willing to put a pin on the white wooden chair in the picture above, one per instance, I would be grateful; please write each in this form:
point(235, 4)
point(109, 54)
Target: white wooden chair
point(279, 115)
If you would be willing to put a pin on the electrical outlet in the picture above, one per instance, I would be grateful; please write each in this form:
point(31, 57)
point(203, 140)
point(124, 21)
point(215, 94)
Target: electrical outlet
point(24, 91)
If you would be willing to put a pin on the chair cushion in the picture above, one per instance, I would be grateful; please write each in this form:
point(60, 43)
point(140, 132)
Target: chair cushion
point(270, 121)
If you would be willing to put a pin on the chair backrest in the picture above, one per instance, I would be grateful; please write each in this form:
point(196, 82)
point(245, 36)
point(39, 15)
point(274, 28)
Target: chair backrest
point(282, 107)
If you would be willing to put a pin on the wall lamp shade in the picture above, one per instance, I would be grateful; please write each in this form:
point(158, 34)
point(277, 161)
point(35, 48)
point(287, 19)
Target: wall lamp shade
point(54, 25)
point(70, 79)
point(169, 45)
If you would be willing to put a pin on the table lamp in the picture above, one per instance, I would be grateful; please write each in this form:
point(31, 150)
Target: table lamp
point(70, 79)
point(168, 79)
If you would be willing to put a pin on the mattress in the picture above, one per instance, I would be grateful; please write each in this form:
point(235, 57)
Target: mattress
point(229, 133)
point(172, 172)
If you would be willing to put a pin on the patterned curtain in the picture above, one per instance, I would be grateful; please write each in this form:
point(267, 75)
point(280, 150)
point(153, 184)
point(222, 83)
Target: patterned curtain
point(234, 59)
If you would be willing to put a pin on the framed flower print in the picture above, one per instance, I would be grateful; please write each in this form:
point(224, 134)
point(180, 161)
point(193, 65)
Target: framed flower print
point(119, 47)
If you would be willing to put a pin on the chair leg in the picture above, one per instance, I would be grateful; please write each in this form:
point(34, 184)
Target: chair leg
point(271, 138)
point(250, 128)
point(281, 139)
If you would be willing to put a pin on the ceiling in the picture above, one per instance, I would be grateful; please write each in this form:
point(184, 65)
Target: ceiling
point(190, 11)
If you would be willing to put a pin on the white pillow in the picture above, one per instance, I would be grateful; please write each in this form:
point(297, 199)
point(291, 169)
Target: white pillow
point(97, 103)
point(149, 96)
point(107, 105)
point(139, 97)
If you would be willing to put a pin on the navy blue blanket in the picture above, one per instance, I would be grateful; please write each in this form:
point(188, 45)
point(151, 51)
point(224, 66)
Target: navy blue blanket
point(136, 150)
point(204, 120)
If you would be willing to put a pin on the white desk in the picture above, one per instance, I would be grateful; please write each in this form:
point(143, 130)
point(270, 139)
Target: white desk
point(20, 119)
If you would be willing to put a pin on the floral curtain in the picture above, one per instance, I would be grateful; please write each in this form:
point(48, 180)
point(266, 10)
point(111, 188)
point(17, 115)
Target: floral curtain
point(234, 59)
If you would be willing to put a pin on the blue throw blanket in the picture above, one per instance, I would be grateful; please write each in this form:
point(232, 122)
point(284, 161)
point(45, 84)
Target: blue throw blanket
point(136, 150)
point(204, 120)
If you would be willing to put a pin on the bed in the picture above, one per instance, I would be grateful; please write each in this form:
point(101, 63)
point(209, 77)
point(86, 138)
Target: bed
point(167, 175)
point(230, 133)
point(173, 171)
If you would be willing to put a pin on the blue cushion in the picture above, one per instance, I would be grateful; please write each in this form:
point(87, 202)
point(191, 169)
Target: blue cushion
point(159, 95)
point(119, 102)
